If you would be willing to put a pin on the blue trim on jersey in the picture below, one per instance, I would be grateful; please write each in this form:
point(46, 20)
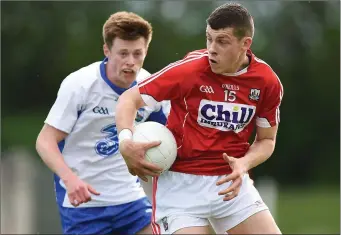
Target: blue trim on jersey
point(128, 218)
point(117, 89)
point(60, 191)
point(158, 116)
point(61, 145)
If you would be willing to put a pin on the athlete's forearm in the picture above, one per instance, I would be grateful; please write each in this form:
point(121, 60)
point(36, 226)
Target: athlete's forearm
point(258, 153)
point(50, 154)
point(125, 112)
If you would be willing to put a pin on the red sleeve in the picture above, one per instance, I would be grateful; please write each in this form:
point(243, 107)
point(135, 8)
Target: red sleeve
point(269, 112)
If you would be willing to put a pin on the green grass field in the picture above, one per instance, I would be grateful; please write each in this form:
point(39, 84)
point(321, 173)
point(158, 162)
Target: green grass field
point(309, 210)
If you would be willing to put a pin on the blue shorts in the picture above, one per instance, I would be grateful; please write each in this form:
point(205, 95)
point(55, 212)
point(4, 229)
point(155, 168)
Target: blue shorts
point(127, 218)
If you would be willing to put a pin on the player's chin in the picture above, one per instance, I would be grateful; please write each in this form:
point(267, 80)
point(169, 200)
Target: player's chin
point(129, 77)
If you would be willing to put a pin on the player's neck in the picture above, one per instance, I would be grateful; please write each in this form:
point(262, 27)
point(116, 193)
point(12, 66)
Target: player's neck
point(242, 62)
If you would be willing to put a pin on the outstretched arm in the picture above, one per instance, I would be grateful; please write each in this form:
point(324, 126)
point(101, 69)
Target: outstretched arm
point(128, 104)
point(261, 149)
point(133, 153)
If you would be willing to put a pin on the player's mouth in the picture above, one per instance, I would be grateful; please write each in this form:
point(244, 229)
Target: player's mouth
point(213, 61)
point(128, 71)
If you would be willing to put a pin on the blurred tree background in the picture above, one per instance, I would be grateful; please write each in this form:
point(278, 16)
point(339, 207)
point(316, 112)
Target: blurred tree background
point(42, 42)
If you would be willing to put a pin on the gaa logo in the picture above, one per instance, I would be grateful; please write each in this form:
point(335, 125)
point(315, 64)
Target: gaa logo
point(225, 116)
point(206, 89)
point(101, 110)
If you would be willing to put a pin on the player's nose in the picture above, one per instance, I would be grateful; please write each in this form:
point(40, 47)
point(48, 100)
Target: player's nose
point(130, 61)
point(212, 49)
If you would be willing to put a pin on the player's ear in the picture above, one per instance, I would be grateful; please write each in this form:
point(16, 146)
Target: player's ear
point(106, 50)
point(246, 43)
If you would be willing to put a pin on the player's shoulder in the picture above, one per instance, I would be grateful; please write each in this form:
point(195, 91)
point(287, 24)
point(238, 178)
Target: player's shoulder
point(142, 75)
point(82, 78)
point(196, 60)
point(264, 70)
point(193, 61)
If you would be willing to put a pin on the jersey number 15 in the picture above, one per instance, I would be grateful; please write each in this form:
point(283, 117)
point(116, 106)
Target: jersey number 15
point(230, 95)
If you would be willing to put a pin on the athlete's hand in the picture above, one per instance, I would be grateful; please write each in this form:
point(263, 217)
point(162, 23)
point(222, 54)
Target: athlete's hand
point(78, 191)
point(134, 156)
point(236, 176)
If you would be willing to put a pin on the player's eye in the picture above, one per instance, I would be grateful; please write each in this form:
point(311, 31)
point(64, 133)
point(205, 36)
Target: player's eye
point(123, 53)
point(223, 42)
point(137, 54)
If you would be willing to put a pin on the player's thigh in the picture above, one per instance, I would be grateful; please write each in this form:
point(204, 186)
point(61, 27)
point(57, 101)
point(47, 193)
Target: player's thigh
point(229, 214)
point(177, 202)
point(181, 224)
point(194, 230)
point(259, 223)
point(147, 187)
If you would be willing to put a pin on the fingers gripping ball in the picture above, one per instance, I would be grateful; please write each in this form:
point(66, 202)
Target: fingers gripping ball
point(163, 155)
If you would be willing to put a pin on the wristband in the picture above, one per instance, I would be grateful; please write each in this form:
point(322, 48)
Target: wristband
point(125, 134)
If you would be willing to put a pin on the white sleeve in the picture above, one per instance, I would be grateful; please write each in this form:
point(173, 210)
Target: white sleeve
point(68, 105)
point(151, 103)
point(166, 105)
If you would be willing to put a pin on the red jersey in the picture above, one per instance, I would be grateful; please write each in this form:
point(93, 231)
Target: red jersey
point(212, 114)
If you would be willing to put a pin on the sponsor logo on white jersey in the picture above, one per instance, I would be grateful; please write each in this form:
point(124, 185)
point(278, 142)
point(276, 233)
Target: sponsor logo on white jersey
point(225, 116)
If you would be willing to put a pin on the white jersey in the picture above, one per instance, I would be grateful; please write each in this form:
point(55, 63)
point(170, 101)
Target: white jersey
point(85, 109)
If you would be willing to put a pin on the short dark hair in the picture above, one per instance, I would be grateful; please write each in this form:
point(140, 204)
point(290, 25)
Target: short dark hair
point(127, 26)
point(232, 15)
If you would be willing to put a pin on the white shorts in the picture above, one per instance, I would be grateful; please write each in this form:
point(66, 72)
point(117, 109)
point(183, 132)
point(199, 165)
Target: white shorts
point(185, 200)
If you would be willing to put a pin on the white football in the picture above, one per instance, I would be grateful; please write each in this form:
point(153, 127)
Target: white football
point(163, 155)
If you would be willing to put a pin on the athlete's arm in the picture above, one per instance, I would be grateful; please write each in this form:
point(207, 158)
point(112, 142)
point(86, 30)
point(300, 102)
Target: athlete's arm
point(264, 144)
point(262, 148)
point(163, 85)
point(128, 104)
point(47, 148)
point(133, 153)
point(59, 122)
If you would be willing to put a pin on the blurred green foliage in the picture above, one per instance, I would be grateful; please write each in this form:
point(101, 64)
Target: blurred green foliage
point(42, 42)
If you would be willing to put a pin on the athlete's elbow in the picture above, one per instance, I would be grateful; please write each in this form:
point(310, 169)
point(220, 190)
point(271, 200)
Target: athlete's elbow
point(42, 143)
point(39, 143)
